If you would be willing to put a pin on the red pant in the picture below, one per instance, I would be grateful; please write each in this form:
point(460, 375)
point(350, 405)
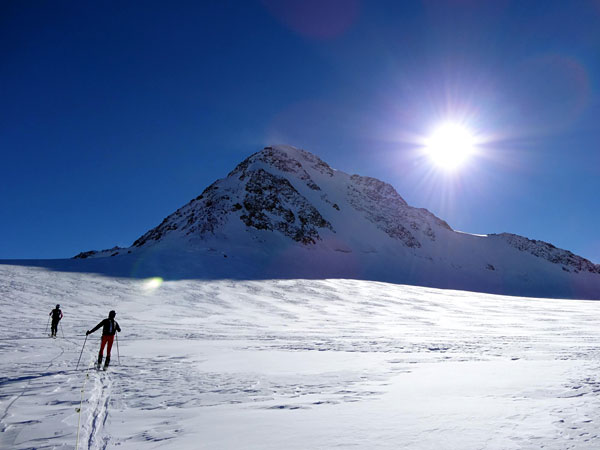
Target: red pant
point(106, 340)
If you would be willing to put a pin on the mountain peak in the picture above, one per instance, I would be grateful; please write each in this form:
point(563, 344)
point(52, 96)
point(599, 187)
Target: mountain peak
point(287, 159)
point(284, 212)
point(262, 192)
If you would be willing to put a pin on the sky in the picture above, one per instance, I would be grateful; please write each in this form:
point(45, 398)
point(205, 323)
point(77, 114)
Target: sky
point(114, 114)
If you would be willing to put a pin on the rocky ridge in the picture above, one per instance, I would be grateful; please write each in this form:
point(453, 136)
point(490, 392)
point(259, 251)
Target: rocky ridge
point(294, 194)
point(568, 260)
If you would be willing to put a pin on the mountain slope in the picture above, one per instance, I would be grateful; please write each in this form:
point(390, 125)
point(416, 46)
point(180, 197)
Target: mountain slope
point(294, 364)
point(283, 212)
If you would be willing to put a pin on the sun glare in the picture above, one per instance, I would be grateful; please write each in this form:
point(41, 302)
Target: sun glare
point(449, 146)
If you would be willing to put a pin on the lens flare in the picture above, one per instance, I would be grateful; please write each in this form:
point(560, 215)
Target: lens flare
point(151, 284)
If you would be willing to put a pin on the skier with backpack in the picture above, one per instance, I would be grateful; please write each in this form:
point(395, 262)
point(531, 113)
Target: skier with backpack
point(56, 314)
point(109, 328)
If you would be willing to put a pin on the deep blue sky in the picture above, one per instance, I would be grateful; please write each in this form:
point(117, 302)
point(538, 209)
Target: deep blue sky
point(115, 114)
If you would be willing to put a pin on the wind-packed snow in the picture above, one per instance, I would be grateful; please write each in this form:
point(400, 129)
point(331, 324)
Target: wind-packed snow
point(294, 364)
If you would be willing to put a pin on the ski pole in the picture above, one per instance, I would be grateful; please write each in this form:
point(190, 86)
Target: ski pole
point(61, 330)
point(81, 352)
point(46, 330)
point(118, 355)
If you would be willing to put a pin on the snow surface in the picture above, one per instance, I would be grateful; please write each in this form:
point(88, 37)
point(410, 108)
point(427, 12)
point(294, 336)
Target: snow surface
point(294, 364)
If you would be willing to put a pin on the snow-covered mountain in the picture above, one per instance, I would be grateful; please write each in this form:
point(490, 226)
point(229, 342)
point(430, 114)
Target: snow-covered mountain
point(285, 213)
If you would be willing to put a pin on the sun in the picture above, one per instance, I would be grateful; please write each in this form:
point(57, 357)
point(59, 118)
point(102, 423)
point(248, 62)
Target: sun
point(450, 146)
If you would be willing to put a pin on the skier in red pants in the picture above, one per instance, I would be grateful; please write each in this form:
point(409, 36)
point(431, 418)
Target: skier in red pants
point(109, 328)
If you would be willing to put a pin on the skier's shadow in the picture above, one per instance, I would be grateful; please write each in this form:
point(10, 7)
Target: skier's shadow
point(4, 381)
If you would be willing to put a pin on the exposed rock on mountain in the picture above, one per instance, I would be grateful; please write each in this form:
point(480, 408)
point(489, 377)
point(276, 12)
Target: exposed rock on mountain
point(549, 252)
point(283, 212)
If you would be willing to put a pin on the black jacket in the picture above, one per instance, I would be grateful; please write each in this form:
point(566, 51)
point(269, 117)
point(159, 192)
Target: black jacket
point(56, 314)
point(110, 327)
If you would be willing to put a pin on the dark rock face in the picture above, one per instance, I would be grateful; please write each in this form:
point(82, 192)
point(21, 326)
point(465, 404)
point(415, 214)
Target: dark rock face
point(549, 252)
point(84, 255)
point(384, 207)
point(109, 251)
point(270, 203)
point(202, 215)
point(282, 161)
point(259, 198)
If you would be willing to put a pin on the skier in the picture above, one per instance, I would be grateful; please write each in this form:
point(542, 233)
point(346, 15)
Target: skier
point(56, 316)
point(109, 328)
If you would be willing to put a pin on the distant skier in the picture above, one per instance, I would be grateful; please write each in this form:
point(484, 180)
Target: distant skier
point(109, 328)
point(56, 314)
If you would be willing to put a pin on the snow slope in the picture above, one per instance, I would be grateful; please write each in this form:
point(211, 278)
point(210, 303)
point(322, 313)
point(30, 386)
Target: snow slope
point(294, 364)
point(285, 213)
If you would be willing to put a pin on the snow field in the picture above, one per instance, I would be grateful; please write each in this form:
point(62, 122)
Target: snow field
point(295, 364)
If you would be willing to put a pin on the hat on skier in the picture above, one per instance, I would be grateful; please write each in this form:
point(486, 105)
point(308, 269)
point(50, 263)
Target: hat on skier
point(112, 314)
point(57, 306)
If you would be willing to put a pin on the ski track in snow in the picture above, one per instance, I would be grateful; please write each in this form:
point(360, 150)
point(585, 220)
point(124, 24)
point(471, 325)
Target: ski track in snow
point(295, 364)
point(100, 400)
